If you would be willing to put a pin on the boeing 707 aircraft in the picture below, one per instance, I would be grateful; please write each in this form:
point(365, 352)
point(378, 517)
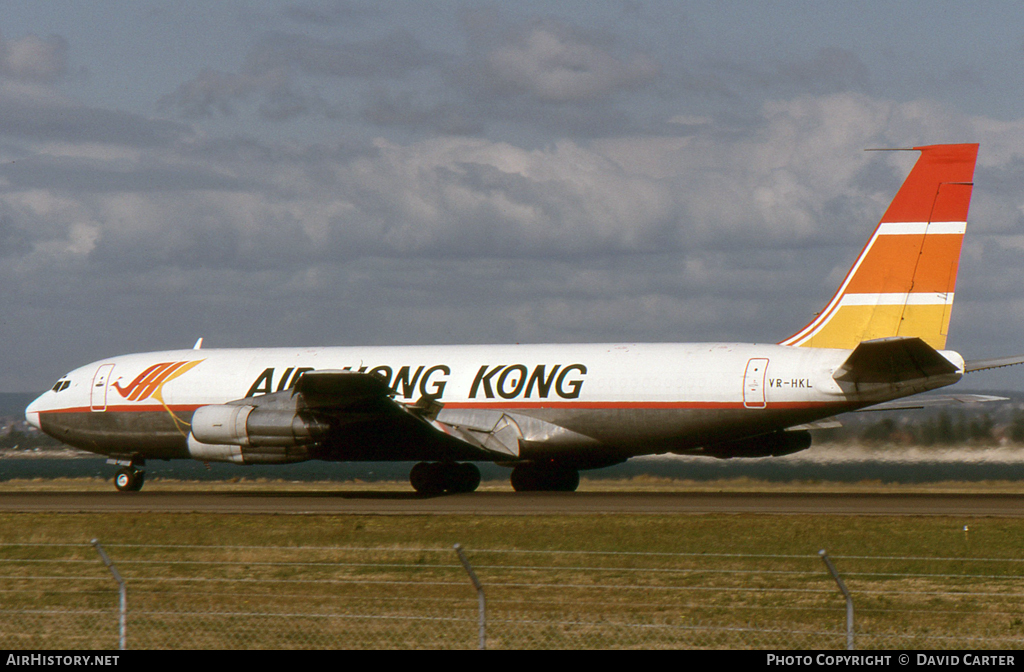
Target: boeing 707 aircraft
point(548, 411)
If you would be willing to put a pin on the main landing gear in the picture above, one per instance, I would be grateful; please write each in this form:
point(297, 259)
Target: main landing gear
point(435, 478)
point(129, 479)
point(539, 477)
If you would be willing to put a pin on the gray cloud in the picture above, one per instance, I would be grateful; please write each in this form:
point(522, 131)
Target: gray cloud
point(14, 240)
point(34, 59)
point(831, 69)
point(469, 198)
point(537, 75)
point(552, 62)
point(97, 177)
point(277, 68)
point(531, 180)
point(548, 78)
point(213, 92)
point(739, 87)
point(21, 116)
point(330, 13)
point(736, 233)
point(407, 109)
point(393, 55)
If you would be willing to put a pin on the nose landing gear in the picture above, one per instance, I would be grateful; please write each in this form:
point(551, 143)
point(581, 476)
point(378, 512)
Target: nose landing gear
point(131, 476)
point(129, 479)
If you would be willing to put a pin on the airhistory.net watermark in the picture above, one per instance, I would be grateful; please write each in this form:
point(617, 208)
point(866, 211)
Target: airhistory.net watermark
point(54, 660)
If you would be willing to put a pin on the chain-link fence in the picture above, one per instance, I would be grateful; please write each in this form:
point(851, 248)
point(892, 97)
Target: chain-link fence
point(270, 597)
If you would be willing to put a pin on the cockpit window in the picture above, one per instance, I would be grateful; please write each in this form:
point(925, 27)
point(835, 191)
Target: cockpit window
point(61, 385)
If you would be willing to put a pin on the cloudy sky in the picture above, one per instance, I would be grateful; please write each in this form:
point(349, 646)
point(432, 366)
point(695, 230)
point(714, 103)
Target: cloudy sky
point(406, 172)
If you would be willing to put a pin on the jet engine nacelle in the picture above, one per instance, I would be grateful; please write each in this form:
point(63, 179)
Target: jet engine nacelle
point(242, 425)
point(767, 445)
point(225, 452)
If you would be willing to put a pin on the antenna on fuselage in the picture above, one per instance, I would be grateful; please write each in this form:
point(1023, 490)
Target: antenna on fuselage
point(199, 344)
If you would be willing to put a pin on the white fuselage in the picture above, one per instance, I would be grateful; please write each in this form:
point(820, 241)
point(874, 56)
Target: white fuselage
point(622, 399)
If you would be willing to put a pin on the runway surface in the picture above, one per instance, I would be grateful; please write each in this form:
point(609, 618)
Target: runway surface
point(511, 503)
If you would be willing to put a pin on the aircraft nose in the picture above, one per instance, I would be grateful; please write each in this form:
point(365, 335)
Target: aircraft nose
point(32, 412)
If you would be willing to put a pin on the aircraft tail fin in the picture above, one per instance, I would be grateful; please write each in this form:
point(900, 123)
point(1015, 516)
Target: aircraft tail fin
point(902, 283)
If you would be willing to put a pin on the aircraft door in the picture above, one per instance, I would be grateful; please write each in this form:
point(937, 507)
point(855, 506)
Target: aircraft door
point(753, 383)
point(98, 394)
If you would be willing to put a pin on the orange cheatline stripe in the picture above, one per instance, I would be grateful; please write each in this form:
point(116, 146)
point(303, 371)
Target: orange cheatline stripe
point(919, 263)
point(138, 408)
point(519, 405)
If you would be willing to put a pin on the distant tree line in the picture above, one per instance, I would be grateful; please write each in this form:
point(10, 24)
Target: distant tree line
point(941, 429)
point(18, 440)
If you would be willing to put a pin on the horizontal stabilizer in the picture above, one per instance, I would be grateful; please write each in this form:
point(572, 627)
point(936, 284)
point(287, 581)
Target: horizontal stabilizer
point(984, 364)
point(933, 400)
point(893, 360)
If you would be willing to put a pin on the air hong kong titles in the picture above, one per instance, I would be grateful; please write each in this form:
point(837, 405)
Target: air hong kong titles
point(507, 381)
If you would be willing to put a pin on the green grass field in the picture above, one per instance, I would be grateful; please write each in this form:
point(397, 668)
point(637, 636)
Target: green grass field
point(552, 581)
point(691, 533)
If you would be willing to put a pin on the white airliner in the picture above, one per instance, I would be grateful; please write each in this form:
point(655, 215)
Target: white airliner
point(548, 411)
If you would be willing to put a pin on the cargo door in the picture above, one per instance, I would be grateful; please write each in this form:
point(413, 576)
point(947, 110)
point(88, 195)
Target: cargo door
point(753, 383)
point(98, 395)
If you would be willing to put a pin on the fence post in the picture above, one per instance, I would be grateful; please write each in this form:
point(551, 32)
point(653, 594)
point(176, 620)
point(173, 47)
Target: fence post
point(846, 594)
point(479, 593)
point(122, 589)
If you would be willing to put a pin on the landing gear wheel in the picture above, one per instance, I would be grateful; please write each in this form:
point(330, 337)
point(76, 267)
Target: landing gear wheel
point(129, 479)
point(570, 480)
point(425, 478)
point(434, 478)
point(544, 478)
point(467, 478)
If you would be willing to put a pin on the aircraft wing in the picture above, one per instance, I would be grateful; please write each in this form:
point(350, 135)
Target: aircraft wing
point(336, 415)
point(352, 398)
point(344, 398)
